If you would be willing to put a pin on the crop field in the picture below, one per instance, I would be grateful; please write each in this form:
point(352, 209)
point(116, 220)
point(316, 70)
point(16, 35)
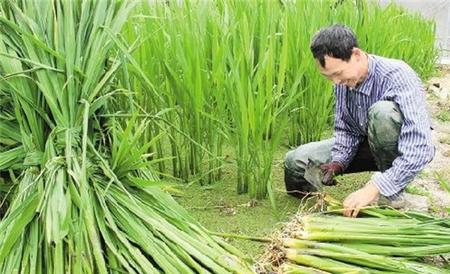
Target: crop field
point(149, 137)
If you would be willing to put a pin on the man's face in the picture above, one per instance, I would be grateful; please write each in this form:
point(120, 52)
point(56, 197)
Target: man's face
point(341, 72)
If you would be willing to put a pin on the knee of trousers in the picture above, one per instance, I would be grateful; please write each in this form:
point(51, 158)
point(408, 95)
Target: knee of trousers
point(291, 163)
point(297, 159)
point(384, 123)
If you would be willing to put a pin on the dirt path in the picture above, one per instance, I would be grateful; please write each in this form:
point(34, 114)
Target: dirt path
point(428, 182)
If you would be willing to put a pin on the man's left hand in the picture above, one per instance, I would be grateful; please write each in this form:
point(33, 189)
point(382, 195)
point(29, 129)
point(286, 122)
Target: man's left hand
point(360, 198)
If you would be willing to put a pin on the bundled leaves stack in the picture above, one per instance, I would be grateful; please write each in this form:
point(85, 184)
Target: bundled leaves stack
point(81, 198)
point(387, 242)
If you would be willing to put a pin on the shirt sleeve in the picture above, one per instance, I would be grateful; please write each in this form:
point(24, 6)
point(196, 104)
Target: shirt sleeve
point(347, 139)
point(414, 144)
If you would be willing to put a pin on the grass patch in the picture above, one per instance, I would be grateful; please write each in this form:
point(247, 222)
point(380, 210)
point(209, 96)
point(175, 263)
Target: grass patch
point(347, 184)
point(220, 209)
point(443, 115)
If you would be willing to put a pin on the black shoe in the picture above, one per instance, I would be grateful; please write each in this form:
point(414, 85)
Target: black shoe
point(295, 185)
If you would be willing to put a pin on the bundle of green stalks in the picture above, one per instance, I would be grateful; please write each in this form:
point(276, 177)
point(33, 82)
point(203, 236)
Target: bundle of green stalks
point(392, 242)
point(333, 258)
point(391, 233)
point(82, 197)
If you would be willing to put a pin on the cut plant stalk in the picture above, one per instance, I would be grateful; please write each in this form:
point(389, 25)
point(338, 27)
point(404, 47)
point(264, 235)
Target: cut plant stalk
point(323, 263)
point(288, 268)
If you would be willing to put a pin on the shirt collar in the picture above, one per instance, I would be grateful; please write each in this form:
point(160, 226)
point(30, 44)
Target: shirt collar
point(365, 87)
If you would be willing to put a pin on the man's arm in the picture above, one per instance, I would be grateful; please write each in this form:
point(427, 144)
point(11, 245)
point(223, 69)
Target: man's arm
point(414, 143)
point(347, 138)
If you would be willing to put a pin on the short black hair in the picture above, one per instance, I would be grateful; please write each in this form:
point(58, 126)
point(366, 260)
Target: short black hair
point(336, 41)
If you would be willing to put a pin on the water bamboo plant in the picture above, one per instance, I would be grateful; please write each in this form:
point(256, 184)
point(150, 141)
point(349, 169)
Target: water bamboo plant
point(231, 79)
point(84, 199)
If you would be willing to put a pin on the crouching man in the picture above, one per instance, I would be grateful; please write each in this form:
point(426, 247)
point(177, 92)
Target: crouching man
point(381, 122)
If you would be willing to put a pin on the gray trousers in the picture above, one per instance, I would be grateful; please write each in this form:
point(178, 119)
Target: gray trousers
point(375, 153)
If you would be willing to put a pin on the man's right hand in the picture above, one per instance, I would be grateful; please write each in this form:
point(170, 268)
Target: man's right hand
point(329, 171)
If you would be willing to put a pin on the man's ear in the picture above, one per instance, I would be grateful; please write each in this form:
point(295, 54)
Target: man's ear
point(356, 52)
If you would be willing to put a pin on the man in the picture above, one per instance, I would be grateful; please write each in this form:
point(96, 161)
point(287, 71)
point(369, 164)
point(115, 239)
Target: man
point(381, 122)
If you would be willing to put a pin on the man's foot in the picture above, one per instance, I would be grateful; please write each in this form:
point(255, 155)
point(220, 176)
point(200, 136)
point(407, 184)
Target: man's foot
point(297, 185)
point(412, 202)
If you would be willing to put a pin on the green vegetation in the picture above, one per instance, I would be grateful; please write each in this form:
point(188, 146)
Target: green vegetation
point(443, 115)
point(218, 208)
point(444, 183)
point(216, 74)
point(103, 102)
point(83, 198)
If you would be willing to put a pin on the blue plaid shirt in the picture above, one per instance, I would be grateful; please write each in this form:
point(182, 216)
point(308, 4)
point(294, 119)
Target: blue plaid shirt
point(390, 80)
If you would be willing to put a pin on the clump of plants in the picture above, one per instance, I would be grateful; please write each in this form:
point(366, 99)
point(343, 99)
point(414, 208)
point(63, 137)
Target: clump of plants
point(219, 76)
point(81, 195)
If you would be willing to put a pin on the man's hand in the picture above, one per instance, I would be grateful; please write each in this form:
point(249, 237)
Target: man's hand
point(329, 171)
point(360, 198)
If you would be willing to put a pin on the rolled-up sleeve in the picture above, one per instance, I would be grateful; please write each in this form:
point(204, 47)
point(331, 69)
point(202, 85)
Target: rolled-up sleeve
point(414, 144)
point(347, 138)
